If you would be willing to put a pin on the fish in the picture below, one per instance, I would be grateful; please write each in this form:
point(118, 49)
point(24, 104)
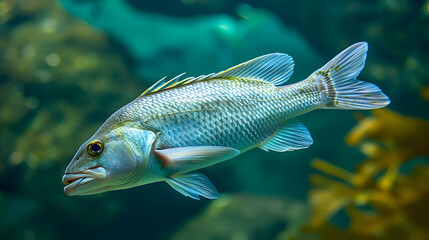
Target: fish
point(179, 126)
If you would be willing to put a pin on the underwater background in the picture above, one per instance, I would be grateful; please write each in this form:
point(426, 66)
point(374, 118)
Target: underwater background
point(65, 66)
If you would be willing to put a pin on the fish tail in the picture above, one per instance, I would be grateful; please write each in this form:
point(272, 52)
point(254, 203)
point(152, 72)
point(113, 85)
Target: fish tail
point(339, 86)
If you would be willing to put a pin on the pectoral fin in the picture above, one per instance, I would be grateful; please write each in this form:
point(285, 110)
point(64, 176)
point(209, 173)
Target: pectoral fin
point(193, 185)
point(292, 137)
point(186, 159)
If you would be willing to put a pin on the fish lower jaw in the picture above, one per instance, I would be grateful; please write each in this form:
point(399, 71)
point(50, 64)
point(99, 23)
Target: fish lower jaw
point(77, 182)
point(74, 181)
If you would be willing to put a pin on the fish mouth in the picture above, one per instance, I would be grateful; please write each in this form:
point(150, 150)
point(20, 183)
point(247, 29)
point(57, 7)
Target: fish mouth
point(75, 181)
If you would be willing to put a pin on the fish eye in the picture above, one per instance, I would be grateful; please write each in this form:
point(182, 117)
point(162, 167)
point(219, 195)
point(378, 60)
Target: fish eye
point(95, 147)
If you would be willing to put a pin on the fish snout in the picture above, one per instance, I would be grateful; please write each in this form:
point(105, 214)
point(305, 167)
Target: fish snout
point(78, 179)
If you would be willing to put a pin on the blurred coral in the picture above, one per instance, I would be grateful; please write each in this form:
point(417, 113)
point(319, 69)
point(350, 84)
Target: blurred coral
point(54, 65)
point(397, 202)
point(59, 80)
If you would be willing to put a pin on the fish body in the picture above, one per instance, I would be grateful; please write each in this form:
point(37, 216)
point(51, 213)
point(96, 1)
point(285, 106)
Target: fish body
point(234, 113)
point(179, 126)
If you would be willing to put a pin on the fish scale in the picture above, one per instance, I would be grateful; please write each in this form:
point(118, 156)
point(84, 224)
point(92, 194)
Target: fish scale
point(236, 113)
point(178, 126)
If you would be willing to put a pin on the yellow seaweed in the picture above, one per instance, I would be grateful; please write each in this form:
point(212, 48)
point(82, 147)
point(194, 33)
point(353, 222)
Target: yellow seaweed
point(397, 202)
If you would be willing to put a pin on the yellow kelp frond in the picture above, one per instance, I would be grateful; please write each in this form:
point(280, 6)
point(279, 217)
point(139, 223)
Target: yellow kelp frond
point(380, 202)
point(407, 136)
point(332, 170)
point(328, 198)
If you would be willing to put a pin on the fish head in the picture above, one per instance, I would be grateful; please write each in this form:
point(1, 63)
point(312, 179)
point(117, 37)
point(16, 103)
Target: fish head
point(108, 161)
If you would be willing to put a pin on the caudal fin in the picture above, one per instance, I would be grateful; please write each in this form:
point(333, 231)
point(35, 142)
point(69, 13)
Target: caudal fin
point(341, 89)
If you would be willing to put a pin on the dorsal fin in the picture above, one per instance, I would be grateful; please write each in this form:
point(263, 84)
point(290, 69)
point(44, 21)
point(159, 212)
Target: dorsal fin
point(275, 68)
point(162, 84)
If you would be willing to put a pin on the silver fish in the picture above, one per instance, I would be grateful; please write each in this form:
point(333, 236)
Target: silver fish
point(179, 126)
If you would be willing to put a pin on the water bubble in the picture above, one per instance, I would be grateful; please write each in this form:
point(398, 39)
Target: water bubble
point(44, 76)
point(50, 25)
point(32, 102)
point(16, 158)
point(28, 52)
point(53, 59)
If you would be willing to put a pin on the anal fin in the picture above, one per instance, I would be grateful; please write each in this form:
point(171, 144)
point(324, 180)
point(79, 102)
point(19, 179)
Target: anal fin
point(193, 185)
point(292, 137)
